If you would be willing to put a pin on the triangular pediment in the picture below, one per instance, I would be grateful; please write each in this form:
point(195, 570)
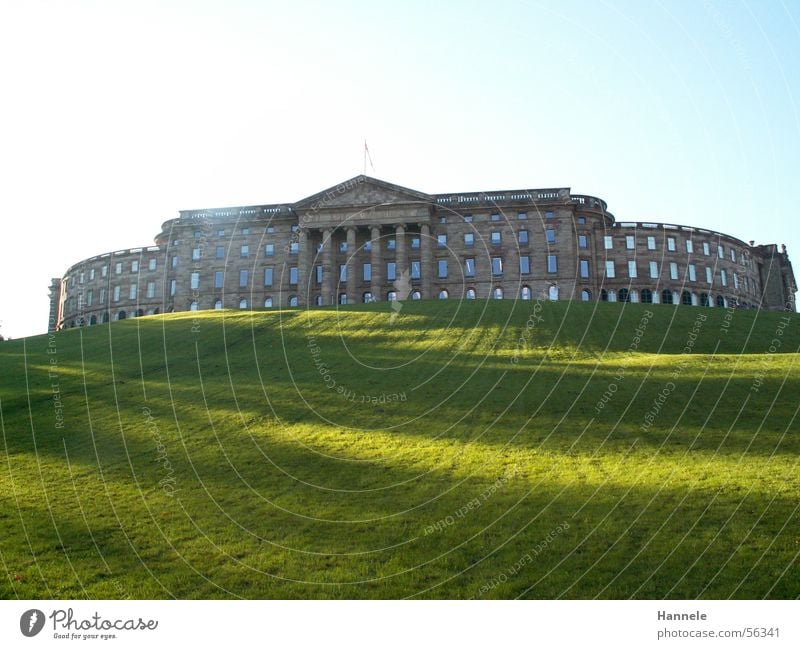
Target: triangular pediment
point(362, 191)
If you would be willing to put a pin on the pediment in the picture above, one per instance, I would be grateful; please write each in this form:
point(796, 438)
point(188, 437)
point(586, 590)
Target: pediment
point(362, 191)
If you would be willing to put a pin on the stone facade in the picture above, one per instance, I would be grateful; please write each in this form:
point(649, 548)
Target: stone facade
point(369, 240)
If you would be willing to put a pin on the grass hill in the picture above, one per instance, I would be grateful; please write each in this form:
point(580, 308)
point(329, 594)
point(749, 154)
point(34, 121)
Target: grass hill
point(447, 449)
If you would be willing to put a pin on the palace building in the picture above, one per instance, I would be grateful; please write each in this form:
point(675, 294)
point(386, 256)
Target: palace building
point(368, 240)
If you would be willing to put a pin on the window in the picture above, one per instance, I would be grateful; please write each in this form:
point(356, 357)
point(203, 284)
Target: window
point(442, 263)
point(651, 243)
point(132, 292)
point(497, 265)
point(244, 277)
point(469, 267)
point(522, 216)
point(720, 301)
point(270, 229)
point(723, 277)
point(343, 246)
point(552, 264)
point(586, 295)
point(293, 275)
point(468, 218)
point(416, 295)
point(197, 234)
point(342, 273)
point(91, 274)
point(391, 244)
point(367, 297)
point(471, 295)
point(666, 296)
point(608, 242)
point(582, 241)
point(269, 250)
point(151, 289)
point(610, 269)
point(193, 306)
point(245, 231)
point(647, 296)
point(497, 293)
point(415, 243)
point(443, 294)
point(709, 275)
point(720, 252)
point(689, 246)
point(294, 247)
point(442, 219)
point(243, 303)
point(217, 304)
point(581, 220)
point(524, 265)
point(367, 272)
point(151, 265)
point(673, 270)
point(551, 235)
point(293, 300)
point(624, 295)
point(245, 252)
point(368, 246)
point(552, 293)
point(218, 275)
point(268, 273)
point(525, 293)
point(194, 282)
point(496, 237)
point(733, 255)
point(104, 271)
point(90, 295)
point(469, 239)
point(342, 298)
point(318, 274)
point(630, 242)
point(173, 285)
point(102, 296)
point(416, 269)
point(522, 237)
point(706, 250)
point(584, 268)
point(632, 269)
point(81, 277)
point(196, 253)
point(391, 296)
point(220, 233)
point(671, 244)
point(549, 215)
point(654, 270)
point(495, 217)
point(441, 240)
point(174, 261)
point(118, 268)
point(692, 273)
point(391, 271)
point(736, 281)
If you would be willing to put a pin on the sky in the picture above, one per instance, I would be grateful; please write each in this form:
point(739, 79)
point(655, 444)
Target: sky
point(114, 115)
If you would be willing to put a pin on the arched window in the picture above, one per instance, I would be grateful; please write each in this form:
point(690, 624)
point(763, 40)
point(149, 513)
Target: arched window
point(704, 299)
point(553, 292)
point(497, 293)
point(93, 320)
point(612, 296)
point(525, 293)
point(391, 296)
point(416, 295)
point(624, 295)
point(604, 295)
point(155, 311)
point(647, 296)
point(666, 296)
point(193, 306)
point(120, 316)
point(217, 304)
point(318, 300)
point(366, 297)
point(443, 294)
point(686, 298)
point(633, 295)
point(105, 317)
point(342, 298)
point(267, 303)
point(720, 301)
point(586, 295)
point(139, 313)
point(471, 294)
point(243, 303)
point(292, 300)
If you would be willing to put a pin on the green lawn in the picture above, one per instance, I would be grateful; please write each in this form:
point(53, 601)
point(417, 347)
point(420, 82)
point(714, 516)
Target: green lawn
point(451, 450)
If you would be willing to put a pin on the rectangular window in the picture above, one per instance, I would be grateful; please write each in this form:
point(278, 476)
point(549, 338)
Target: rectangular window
point(469, 267)
point(632, 269)
point(270, 229)
point(90, 295)
point(269, 250)
point(497, 265)
point(735, 281)
point(195, 281)
point(197, 234)
point(720, 252)
point(692, 273)
point(442, 264)
point(318, 274)
point(524, 265)
point(342, 273)
point(469, 239)
point(244, 278)
point(173, 285)
point(367, 272)
point(522, 237)
point(196, 254)
point(673, 270)
point(581, 220)
point(496, 237)
point(551, 235)
point(709, 275)
point(584, 268)
point(245, 231)
point(218, 278)
point(151, 289)
point(391, 271)
point(116, 294)
point(630, 242)
point(549, 215)
point(651, 243)
point(723, 277)
point(689, 246)
point(522, 216)
point(118, 268)
point(582, 241)
point(174, 261)
point(706, 249)
point(220, 233)
point(91, 272)
point(102, 296)
point(151, 265)
point(104, 271)
point(611, 271)
point(294, 275)
point(608, 242)
point(416, 269)
point(552, 264)
point(733, 255)
point(654, 270)
point(415, 243)
point(368, 246)
point(495, 217)
point(468, 218)
point(343, 246)
point(441, 240)
point(294, 247)
point(81, 277)
point(132, 292)
point(245, 251)
point(671, 244)
point(391, 244)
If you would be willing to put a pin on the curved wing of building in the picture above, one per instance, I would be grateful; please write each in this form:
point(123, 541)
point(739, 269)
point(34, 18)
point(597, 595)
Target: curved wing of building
point(369, 240)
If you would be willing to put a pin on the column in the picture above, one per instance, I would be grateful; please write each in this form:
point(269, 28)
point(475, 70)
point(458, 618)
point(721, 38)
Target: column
point(376, 259)
point(401, 257)
point(352, 267)
point(426, 259)
point(303, 268)
point(328, 284)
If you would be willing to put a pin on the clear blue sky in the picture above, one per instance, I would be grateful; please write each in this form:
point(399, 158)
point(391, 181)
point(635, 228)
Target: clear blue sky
point(117, 114)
